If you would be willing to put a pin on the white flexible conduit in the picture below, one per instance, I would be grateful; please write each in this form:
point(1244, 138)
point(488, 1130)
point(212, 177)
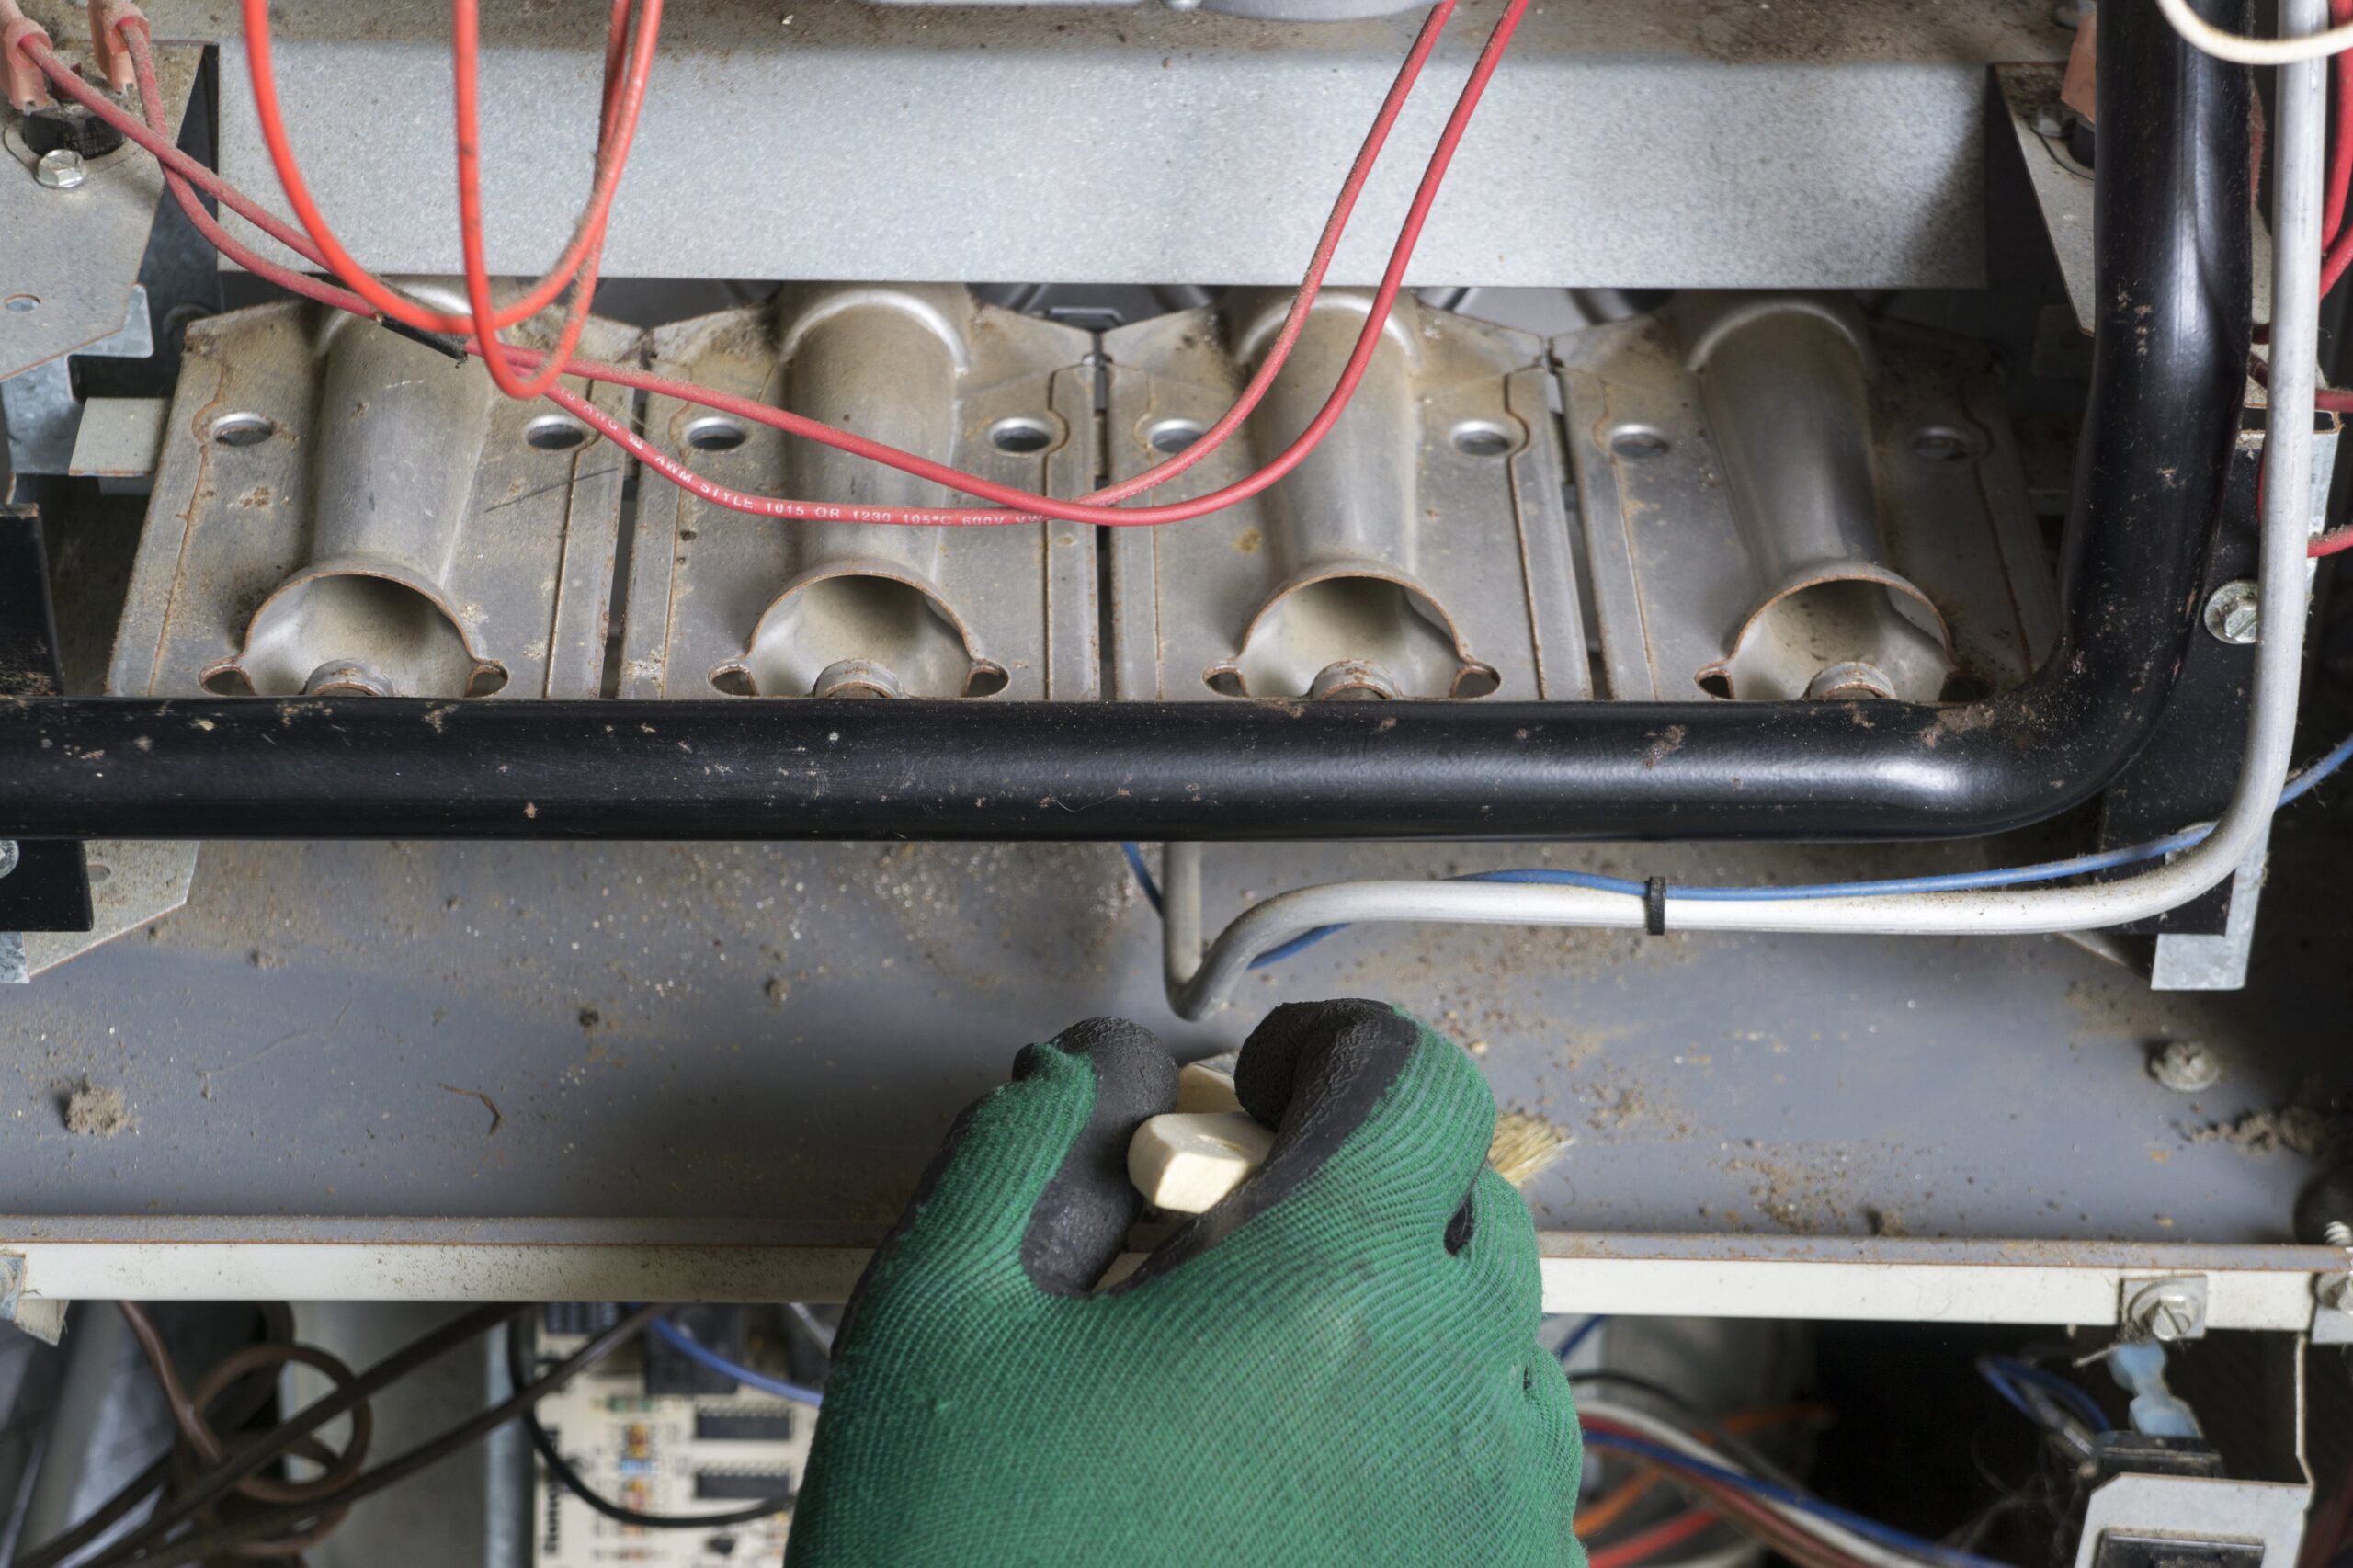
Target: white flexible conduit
point(1197, 982)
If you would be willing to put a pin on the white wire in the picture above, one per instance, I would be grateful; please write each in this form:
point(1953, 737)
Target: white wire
point(1831, 1534)
point(1198, 981)
point(2244, 50)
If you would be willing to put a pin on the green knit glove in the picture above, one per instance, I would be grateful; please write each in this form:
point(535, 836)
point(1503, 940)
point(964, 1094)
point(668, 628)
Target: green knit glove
point(1337, 1365)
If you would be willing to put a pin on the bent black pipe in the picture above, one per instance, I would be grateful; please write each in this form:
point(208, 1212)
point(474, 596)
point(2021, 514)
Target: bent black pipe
point(2174, 257)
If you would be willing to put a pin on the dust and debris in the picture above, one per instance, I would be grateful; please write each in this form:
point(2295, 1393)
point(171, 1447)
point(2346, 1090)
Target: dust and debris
point(775, 990)
point(1962, 719)
point(2317, 1123)
point(97, 1110)
point(497, 1117)
point(1664, 744)
point(1613, 1111)
point(1804, 1199)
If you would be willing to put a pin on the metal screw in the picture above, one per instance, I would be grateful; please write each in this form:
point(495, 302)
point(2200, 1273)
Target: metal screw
point(2187, 1067)
point(2168, 1315)
point(2338, 1234)
point(60, 169)
point(2334, 1291)
point(2234, 613)
point(9, 856)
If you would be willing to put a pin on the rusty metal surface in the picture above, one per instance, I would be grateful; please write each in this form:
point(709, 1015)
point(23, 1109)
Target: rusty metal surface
point(773, 1037)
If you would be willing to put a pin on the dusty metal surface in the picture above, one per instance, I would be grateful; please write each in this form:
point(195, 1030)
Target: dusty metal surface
point(775, 1036)
point(130, 884)
point(1677, 574)
point(71, 257)
point(42, 411)
point(335, 497)
point(1831, 143)
point(718, 604)
point(2062, 188)
point(1421, 551)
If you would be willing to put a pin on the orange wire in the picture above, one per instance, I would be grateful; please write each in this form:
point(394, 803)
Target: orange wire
point(1612, 1505)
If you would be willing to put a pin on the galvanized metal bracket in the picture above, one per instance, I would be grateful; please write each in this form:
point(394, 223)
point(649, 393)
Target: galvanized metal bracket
point(39, 1316)
point(43, 416)
point(2333, 1308)
point(2264, 1520)
point(73, 256)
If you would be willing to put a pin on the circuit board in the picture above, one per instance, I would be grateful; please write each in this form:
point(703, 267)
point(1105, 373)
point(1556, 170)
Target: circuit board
point(665, 1454)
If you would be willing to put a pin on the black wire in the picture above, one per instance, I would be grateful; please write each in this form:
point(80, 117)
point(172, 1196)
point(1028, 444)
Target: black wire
point(519, 1373)
point(213, 1485)
point(277, 1328)
point(201, 1544)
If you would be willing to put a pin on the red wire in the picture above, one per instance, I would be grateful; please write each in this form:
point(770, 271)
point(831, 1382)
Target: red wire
point(2340, 156)
point(624, 97)
point(1741, 1508)
point(612, 158)
point(1645, 1545)
point(1031, 506)
point(1160, 473)
point(1081, 511)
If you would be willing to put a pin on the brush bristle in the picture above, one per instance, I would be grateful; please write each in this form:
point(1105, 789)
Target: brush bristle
point(1523, 1145)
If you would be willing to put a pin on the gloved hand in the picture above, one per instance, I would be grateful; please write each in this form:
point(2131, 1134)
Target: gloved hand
point(1337, 1365)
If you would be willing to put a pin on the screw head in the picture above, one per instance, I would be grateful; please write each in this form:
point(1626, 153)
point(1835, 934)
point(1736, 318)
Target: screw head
point(9, 855)
point(2186, 1066)
point(2338, 1234)
point(2234, 613)
point(2169, 1318)
point(61, 169)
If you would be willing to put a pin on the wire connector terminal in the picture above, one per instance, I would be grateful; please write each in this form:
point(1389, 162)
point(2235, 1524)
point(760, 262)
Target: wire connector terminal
point(28, 90)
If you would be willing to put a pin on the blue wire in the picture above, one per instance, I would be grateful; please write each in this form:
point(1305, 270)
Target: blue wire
point(694, 1350)
point(1951, 881)
point(2008, 1391)
point(1134, 853)
point(1861, 1525)
point(2005, 1372)
point(1584, 1332)
point(2301, 784)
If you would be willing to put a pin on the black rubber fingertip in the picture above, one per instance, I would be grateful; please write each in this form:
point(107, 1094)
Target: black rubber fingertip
point(1083, 1216)
point(1314, 1072)
point(1301, 1040)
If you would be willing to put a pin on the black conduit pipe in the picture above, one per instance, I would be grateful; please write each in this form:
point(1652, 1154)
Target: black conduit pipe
point(2174, 257)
